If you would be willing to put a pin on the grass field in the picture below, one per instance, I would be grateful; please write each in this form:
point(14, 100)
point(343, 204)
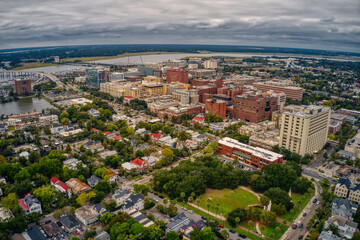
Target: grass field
point(33, 65)
point(97, 58)
point(226, 224)
point(268, 230)
point(227, 199)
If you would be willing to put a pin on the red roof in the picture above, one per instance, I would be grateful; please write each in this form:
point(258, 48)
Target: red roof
point(23, 205)
point(198, 119)
point(57, 181)
point(155, 135)
point(106, 133)
point(117, 137)
point(137, 161)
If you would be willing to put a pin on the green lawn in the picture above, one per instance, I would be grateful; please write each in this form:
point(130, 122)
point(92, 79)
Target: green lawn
point(269, 230)
point(246, 225)
point(300, 201)
point(225, 223)
point(227, 199)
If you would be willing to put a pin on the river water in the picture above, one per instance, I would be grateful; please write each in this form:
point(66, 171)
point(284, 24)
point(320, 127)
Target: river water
point(24, 105)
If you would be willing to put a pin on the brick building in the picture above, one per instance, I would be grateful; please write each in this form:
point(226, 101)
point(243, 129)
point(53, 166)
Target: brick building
point(290, 90)
point(252, 155)
point(216, 107)
point(177, 75)
point(253, 107)
point(209, 89)
point(23, 86)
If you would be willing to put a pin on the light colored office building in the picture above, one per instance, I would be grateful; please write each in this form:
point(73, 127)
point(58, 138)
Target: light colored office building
point(210, 64)
point(304, 129)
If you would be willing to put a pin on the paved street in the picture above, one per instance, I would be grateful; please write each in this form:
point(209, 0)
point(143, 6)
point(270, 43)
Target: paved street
point(310, 208)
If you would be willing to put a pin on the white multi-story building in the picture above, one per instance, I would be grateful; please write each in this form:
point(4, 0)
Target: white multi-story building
point(49, 119)
point(210, 64)
point(304, 129)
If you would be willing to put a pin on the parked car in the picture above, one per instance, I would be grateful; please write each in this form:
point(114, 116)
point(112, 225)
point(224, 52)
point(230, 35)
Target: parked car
point(300, 237)
point(295, 226)
point(242, 235)
point(221, 226)
point(232, 231)
point(301, 225)
point(304, 215)
point(204, 218)
point(315, 200)
point(161, 197)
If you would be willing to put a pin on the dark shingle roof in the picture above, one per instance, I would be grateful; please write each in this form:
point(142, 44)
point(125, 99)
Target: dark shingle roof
point(345, 181)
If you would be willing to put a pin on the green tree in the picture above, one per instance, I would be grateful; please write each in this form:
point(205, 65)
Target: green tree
point(45, 194)
point(172, 236)
point(10, 202)
point(85, 197)
point(225, 234)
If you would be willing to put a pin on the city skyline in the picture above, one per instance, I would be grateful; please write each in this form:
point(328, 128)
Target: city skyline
point(299, 24)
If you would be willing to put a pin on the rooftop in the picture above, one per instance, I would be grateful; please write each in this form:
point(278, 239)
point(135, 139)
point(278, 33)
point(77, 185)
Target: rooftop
point(256, 151)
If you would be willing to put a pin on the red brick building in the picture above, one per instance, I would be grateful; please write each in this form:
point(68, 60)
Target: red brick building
point(177, 75)
point(251, 155)
point(23, 86)
point(254, 108)
point(209, 89)
point(216, 107)
point(295, 93)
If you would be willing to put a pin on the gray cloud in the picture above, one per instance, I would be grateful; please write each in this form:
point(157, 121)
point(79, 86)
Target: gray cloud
point(324, 24)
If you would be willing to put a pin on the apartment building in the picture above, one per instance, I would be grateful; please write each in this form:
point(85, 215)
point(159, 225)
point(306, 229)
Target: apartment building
point(304, 129)
point(177, 75)
point(251, 155)
point(186, 96)
point(216, 107)
point(212, 64)
point(254, 106)
point(23, 86)
point(286, 86)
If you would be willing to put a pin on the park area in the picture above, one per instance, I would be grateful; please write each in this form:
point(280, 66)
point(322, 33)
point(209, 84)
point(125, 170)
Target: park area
point(225, 200)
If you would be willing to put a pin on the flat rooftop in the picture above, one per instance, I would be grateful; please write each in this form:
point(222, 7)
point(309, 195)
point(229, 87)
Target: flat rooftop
point(256, 151)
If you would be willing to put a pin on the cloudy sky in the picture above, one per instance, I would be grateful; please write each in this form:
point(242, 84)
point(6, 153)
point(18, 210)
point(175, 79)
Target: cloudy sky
point(319, 24)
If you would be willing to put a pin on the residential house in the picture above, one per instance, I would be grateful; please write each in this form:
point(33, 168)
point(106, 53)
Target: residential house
point(142, 131)
point(5, 214)
point(3, 128)
point(155, 136)
point(93, 180)
point(177, 222)
point(343, 208)
point(69, 222)
point(94, 112)
point(33, 233)
point(347, 155)
point(92, 146)
point(134, 201)
point(57, 129)
point(346, 227)
point(120, 195)
point(49, 119)
point(344, 188)
point(60, 186)
point(198, 119)
point(24, 154)
point(127, 166)
point(168, 141)
point(106, 154)
point(102, 236)
point(140, 164)
point(89, 214)
point(327, 235)
point(52, 229)
point(72, 164)
point(30, 204)
point(151, 160)
point(187, 230)
point(77, 186)
point(141, 218)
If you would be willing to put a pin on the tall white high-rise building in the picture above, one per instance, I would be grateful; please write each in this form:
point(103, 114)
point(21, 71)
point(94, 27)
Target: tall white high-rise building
point(304, 129)
point(211, 64)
